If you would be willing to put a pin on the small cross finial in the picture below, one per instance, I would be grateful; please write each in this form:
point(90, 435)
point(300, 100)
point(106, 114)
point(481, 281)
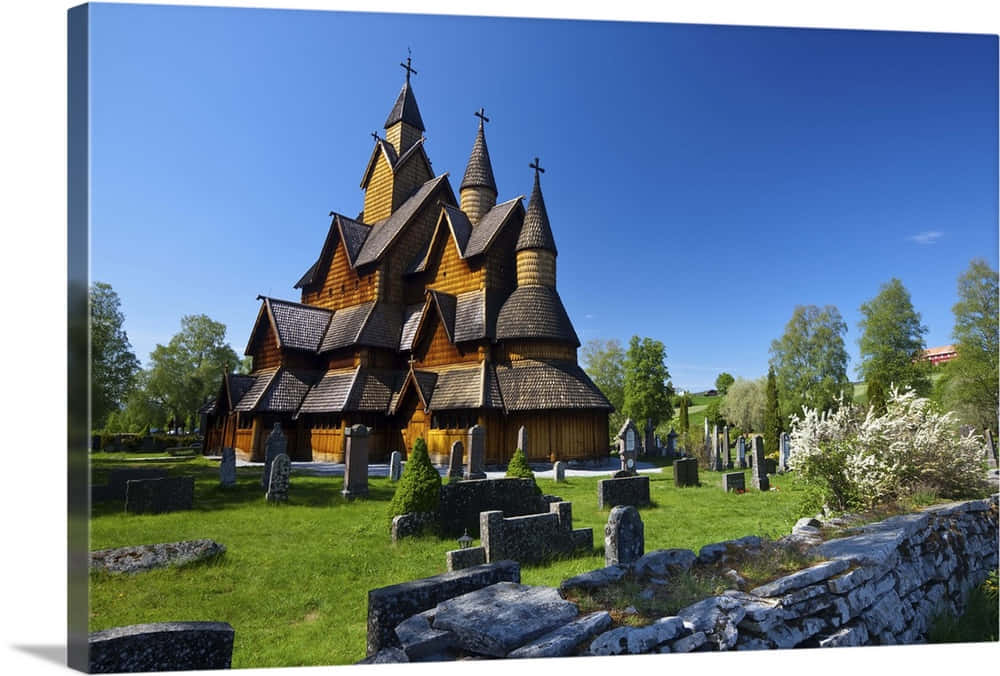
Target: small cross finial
point(411, 360)
point(481, 114)
point(375, 135)
point(534, 165)
point(406, 66)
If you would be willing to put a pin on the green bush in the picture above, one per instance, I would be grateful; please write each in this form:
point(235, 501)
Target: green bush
point(419, 488)
point(518, 467)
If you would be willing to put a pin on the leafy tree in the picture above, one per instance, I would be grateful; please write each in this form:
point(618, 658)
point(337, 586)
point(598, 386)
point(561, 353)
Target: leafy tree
point(245, 366)
point(685, 422)
point(186, 371)
point(419, 487)
point(745, 404)
point(892, 340)
point(140, 411)
point(876, 395)
point(647, 381)
point(113, 364)
point(772, 413)
point(604, 362)
point(970, 382)
point(713, 413)
point(810, 360)
point(723, 382)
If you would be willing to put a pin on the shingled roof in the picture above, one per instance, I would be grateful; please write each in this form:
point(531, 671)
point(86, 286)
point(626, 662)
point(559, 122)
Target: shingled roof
point(412, 315)
point(485, 232)
point(532, 384)
point(262, 380)
point(405, 109)
point(469, 240)
point(373, 389)
point(299, 327)
point(535, 312)
point(385, 232)
point(479, 170)
point(394, 160)
point(458, 388)
point(286, 391)
point(536, 233)
point(351, 231)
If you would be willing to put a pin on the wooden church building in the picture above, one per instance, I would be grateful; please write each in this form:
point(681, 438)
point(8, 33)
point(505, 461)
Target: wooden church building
point(424, 315)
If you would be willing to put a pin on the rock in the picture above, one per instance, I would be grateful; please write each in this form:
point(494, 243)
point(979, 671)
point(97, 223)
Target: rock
point(594, 579)
point(146, 557)
point(630, 610)
point(735, 578)
point(802, 578)
point(752, 643)
point(637, 640)
point(647, 594)
point(663, 561)
point(717, 617)
point(689, 643)
point(386, 656)
point(853, 635)
point(715, 551)
point(851, 579)
point(161, 646)
point(806, 522)
point(624, 541)
point(502, 617)
point(563, 641)
point(419, 639)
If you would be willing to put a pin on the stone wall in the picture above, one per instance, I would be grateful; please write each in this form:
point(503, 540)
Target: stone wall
point(162, 646)
point(388, 606)
point(533, 538)
point(632, 490)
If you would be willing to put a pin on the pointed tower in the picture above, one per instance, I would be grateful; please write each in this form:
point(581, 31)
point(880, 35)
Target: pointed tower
point(404, 125)
point(478, 192)
point(536, 248)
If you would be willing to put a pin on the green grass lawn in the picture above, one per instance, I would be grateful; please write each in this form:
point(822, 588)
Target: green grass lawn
point(295, 577)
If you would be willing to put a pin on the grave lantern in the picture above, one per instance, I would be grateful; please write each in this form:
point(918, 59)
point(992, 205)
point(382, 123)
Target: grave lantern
point(465, 541)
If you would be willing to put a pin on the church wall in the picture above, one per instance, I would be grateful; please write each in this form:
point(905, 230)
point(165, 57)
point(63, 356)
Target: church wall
point(342, 286)
point(559, 435)
point(535, 266)
point(409, 177)
point(378, 194)
point(437, 350)
point(477, 201)
point(449, 273)
point(499, 266)
point(410, 244)
point(265, 350)
point(402, 136)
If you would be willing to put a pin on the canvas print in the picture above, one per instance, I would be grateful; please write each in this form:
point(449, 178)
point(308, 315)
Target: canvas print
point(430, 338)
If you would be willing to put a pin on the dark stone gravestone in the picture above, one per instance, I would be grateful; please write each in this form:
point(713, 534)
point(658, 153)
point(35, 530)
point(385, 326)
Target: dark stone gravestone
point(355, 461)
point(476, 467)
point(155, 496)
point(624, 537)
point(559, 471)
point(161, 646)
point(732, 481)
point(118, 478)
point(717, 463)
point(631, 490)
point(672, 444)
point(725, 442)
point(741, 452)
point(148, 443)
point(277, 490)
point(759, 475)
point(275, 444)
point(649, 443)
point(395, 465)
point(685, 472)
point(455, 460)
point(227, 467)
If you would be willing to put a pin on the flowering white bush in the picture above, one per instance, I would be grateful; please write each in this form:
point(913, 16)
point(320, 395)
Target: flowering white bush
point(859, 459)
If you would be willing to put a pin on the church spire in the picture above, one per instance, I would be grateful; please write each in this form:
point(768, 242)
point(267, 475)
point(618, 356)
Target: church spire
point(478, 191)
point(536, 233)
point(404, 124)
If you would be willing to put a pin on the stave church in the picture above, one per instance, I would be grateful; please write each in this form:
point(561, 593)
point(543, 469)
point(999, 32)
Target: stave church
point(421, 317)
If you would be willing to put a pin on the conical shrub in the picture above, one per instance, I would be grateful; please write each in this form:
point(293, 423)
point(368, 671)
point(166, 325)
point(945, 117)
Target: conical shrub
point(419, 488)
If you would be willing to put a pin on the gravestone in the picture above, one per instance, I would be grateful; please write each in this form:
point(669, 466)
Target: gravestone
point(395, 465)
point(672, 443)
point(685, 472)
point(559, 471)
point(706, 435)
point(628, 448)
point(625, 490)
point(624, 539)
point(275, 445)
point(476, 467)
point(725, 442)
point(155, 496)
point(355, 461)
point(522, 440)
point(741, 452)
point(227, 467)
point(455, 460)
point(991, 450)
point(717, 463)
point(759, 475)
point(733, 481)
point(277, 490)
point(785, 452)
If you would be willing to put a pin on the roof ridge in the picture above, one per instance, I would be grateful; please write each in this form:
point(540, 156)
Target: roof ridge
point(409, 152)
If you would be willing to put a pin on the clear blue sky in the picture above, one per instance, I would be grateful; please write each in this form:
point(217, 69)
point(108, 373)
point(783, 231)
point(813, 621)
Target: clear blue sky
point(701, 181)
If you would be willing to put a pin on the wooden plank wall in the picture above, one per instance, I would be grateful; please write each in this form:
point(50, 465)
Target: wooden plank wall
point(342, 287)
point(410, 244)
point(437, 349)
point(265, 349)
point(378, 195)
point(448, 272)
point(535, 349)
point(409, 177)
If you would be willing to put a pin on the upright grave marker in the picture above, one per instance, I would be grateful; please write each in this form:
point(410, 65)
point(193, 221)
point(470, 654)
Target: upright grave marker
point(277, 489)
point(725, 441)
point(717, 463)
point(522, 440)
point(227, 467)
point(628, 448)
point(275, 445)
point(685, 472)
point(785, 452)
point(733, 481)
point(476, 467)
point(759, 474)
point(649, 442)
point(991, 450)
point(624, 537)
point(559, 471)
point(672, 443)
point(355, 461)
point(455, 460)
point(395, 466)
point(741, 452)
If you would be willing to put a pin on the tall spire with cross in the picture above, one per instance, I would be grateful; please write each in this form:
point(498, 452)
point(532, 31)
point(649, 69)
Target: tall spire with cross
point(536, 233)
point(478, 190)
point(404, 124)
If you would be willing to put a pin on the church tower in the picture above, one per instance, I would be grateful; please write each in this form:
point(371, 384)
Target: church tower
point(536, 248)
point(478, 192)
point(404, 125)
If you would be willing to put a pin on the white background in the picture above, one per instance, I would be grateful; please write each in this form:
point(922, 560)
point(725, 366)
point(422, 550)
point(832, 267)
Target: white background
point(33, 329)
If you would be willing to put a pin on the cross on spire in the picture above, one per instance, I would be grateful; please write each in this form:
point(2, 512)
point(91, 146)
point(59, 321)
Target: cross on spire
point(375, 136)
point(536, 167)
point(481, 114)
point(406, 66)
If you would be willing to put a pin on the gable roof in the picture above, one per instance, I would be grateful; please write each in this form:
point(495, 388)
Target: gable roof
point(492, 222)
point(445, 304)
point(351, 232)
point(412, 314)
point(535, 312)
point(458, 388)
point(286, 391)
point(405, 109)
point(262, 379)
point(330, 392)
point(346, 326)
point(298, 327)
point(532, 384)
point(392, 158)
point(536, 233)
point(385, 232)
